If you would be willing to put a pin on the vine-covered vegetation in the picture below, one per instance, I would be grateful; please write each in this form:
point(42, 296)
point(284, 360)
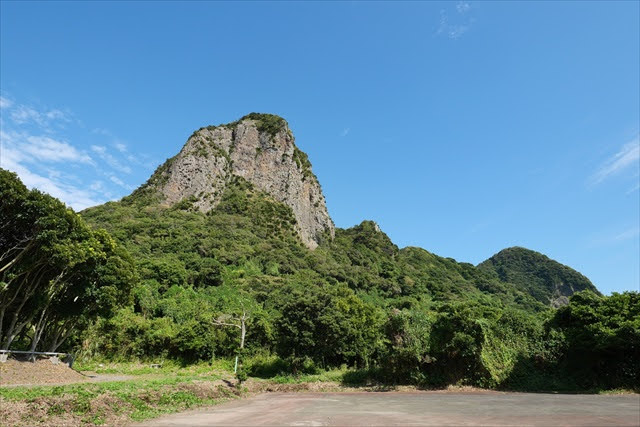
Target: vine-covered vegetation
point(545, 279)
point(392, 315)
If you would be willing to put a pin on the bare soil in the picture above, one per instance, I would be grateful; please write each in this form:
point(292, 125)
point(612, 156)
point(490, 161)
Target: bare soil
point(14, 373)
point(40, 372)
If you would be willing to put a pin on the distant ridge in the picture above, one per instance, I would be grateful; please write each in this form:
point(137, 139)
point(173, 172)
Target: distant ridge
point(254, 196)
point(546, 280)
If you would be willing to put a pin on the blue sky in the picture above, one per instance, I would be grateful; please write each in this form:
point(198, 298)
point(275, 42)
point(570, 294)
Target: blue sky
point(460, 127)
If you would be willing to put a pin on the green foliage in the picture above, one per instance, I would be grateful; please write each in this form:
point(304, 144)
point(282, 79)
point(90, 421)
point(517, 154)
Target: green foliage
point(241, 376)
point(408, 352)
point(602, 339)
point(395, 315)
point(267, 123)
point(536, 274)
point(328, 324)
point(399, 315)
point(303, 163)
point(135, 400)
point(56, 274)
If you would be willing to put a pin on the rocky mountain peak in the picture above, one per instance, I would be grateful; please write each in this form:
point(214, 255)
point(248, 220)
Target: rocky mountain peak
point(259, 148)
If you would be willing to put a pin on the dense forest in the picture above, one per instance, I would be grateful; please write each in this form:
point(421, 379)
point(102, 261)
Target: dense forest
point(545, 279)
point(138, 280)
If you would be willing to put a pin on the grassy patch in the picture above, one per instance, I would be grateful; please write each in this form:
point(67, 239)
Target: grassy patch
point(216, 368)
point(108, 402)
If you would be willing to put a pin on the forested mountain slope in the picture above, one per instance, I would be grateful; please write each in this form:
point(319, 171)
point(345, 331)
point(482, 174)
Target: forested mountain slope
point(223, 233)
point(162, 270)
point(545, 279)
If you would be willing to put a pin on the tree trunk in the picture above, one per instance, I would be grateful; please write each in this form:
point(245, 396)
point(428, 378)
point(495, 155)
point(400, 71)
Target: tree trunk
point(17, 258)
point(58, 342)
point(243, 330)
point(24, 280)
point(14, 330)
point(37, 333)
point(2, 310)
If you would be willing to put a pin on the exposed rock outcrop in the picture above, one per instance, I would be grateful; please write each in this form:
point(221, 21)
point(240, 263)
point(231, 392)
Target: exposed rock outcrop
point(259, 148)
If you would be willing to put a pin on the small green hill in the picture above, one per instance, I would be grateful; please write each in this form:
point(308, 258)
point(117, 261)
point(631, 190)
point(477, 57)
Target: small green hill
point(546, 280)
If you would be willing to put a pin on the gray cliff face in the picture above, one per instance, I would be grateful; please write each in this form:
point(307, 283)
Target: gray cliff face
point(266, 157)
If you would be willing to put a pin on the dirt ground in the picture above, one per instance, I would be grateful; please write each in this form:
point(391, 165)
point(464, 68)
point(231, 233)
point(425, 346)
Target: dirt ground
point(43, 372)
point(40, 372)
point(415, 408)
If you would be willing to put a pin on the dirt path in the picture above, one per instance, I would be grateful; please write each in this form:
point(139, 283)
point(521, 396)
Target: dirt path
point(412, 409)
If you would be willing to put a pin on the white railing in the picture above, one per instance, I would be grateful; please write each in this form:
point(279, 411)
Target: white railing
point(53, 357)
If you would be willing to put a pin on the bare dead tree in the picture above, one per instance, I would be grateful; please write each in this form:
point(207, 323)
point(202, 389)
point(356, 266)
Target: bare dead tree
point(239, 322)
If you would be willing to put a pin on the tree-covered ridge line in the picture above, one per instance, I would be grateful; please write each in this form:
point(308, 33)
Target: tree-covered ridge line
point(394, 315)
point(398, 314)
point(546, 280)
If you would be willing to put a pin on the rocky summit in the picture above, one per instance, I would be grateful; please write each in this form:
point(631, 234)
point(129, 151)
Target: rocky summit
point(259, 148)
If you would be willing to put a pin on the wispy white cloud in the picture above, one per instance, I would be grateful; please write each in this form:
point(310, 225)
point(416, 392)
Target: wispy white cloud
point(120, 147)
point(97, 186)
point(75, 197)
point(453, 31)
point(32, 145)
point(456, 27)
point(119, 182)
point(111, 160)
point(614, 236)
point(345, 132)
point(101, 131)
point(627, 234)
point(123, 150)
point(20, 152)
point(5, 102)
point(100, 149)
point(23, 114)
point(463, 7)
point(627, 156)
point(31, 148)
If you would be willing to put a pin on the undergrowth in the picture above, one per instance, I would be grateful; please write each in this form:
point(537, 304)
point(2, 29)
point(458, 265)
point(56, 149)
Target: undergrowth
point(99, 403)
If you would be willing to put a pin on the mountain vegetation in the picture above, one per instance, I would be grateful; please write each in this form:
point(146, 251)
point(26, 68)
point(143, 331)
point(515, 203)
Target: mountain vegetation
point(546, 280)
point(143, 279)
